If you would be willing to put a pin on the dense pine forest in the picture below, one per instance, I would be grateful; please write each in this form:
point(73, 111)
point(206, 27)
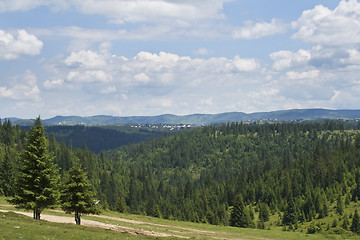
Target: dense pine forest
point(295, 170)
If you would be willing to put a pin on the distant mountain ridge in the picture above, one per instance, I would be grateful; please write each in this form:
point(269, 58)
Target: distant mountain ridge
point(199, 119)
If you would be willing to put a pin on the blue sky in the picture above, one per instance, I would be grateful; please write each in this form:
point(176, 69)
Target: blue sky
point(151, 57)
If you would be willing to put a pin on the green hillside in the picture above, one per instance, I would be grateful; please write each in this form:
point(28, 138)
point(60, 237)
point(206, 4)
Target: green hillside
point(302, 177)
point(102, 138)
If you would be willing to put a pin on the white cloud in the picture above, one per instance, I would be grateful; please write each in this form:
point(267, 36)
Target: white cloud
point(202, 51)
point(13, 45)
point(122, 11)
point(207, 101)
point(287, 59)
point(181, 12)
point(142, 78)
point(146, 66)
point(23, 88)
point(302, 75)
point(86, 58)
point(245, 64)
point(108, 90)
point(88, 76)
point(5, 92)
point(20, 5)
point(154, 83)
point(54, 84)
point(336, 27)
point(258, 30)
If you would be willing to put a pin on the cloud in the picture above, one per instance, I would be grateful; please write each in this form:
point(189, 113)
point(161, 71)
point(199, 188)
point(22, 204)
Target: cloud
point(245, 64)
point(20, 5)
point(337, 27)
point(180, 12)
point(287, 59)
point(123, 11)
point(201, 52)
point(86, 58)
point(318, 57)
point(302, 75)
point(142, 78)
point(146, 74)
point(23, 88)
point(109, 90)
point(13, 45)
point(88, 76)
point(54, 84)
point(258, 30)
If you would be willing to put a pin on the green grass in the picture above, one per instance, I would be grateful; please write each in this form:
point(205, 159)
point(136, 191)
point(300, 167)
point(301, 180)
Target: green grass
point(21, 227)
point(15, 226)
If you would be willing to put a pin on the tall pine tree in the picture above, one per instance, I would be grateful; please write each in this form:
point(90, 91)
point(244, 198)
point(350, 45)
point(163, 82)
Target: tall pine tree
point(36, 186)
point(355, 225)
point(76, 195)
point(7, 178)
point(240, 215)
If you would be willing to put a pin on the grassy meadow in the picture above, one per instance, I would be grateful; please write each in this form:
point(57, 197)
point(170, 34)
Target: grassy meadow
point(16, 226)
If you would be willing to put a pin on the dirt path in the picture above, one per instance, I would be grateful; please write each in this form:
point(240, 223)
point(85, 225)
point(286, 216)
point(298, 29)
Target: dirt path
point(171, 230)
point(90, 223)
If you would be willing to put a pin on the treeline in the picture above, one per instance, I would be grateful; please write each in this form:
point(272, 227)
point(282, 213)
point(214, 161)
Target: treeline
point(295, 169)
point(101, 138)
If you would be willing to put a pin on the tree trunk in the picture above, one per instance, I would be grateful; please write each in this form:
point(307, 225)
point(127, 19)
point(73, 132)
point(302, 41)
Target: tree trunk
point(77, 218)
point(36, 214)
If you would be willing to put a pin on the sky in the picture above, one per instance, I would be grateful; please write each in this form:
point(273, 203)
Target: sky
point(152, 57)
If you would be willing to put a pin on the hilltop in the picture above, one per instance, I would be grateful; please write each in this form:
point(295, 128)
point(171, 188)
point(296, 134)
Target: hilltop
point(200, 119)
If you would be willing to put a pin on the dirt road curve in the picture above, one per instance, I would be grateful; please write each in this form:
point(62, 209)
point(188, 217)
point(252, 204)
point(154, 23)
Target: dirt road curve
point(90, 223)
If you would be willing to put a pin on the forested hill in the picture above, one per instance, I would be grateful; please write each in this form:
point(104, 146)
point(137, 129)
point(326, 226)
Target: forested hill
point(202, 119)
point(300, 172)
point(195, 175)
point(102, 138)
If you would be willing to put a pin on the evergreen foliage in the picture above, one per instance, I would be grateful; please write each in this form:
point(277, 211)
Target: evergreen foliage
point(36, 186)
point(264, 212)
point(298, 170)
point(76, 195)
point(7, 175)
point(355, 225)
point(239, 214)
point(291, 213)
point(345, 224)
point(340, 206)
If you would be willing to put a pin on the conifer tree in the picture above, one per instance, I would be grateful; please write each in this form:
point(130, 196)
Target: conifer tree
point(7, 178)
point(239, 215)
point(346, 223)
point(76, 195)
point(264, 212)
point(340, 206)
point(355, 225)
point(36, 186)
point(291, 213)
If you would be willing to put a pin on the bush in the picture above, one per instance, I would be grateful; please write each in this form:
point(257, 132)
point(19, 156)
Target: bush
point(313, 228)
point(337, 230)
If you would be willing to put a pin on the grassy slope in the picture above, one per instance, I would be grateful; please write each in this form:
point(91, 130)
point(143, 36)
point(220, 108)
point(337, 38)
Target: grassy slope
point(14, 226)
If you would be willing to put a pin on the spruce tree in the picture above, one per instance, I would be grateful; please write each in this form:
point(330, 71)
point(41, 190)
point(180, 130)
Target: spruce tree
point(340, 206)
point(7, 178)
point(76, 195)
point(355, 225)
point(291, 213)
point(346, 223)
point(264, 212)
point(36, 186)
point(239, 215)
